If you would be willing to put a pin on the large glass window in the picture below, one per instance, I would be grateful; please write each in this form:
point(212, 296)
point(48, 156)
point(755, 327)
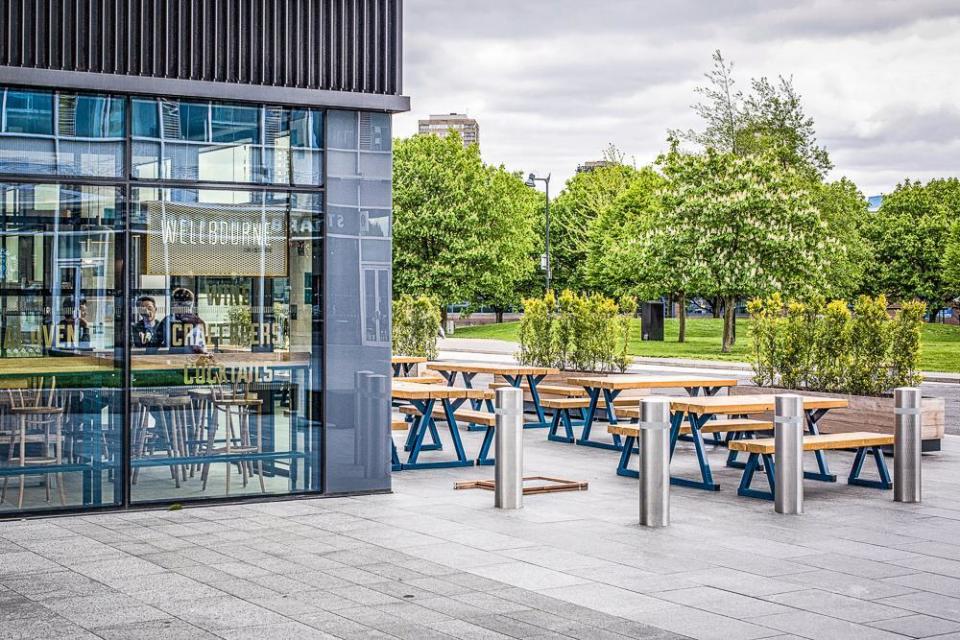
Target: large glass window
point(225, 370)
point(60, 356)
point(61, 134)
point(213, 142)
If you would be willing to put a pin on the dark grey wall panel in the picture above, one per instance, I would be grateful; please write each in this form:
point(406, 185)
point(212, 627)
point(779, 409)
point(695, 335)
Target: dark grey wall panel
point(333, 45)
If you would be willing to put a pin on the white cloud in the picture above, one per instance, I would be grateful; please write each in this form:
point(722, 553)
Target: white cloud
point(553, 82)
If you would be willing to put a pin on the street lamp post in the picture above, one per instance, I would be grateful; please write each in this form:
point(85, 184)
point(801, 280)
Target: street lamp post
point(532, 182)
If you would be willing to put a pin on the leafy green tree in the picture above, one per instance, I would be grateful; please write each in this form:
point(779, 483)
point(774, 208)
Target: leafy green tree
point(463, 231)
point(844, 212)
point(585, 196)
point(751, 223)
point(509, 226)
point(951, 264)
point(909, 238)
point(636, 250)
point(769, 118)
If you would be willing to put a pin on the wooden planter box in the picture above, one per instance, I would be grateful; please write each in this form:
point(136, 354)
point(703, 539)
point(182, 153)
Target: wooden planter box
point(869, 413)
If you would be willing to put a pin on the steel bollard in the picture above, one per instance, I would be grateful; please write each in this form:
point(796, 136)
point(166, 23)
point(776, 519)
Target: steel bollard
point(654, 462)
point(508, 492)
point(788, 427)
point(377, 455)
point(907, 445)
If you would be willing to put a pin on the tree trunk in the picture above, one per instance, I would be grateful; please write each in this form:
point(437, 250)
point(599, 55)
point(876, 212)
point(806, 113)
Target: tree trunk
point(499, 314)
point(716, 306)
point(443, 319)
point(729, 317)
point(682, 316)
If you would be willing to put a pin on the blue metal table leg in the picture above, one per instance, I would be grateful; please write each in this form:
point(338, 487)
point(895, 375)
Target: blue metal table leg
point(588, 419)
point(532, 382)
point(623, 466)
point(813, 417)
point(706, 482)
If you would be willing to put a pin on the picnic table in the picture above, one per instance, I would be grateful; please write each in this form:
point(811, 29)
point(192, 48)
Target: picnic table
point(424, 398)
point(699, 411)
point(612, 386)
point(403, 365)
point(514, 374)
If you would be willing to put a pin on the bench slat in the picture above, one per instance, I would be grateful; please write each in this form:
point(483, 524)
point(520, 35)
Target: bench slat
point(467, 415)
point(822, 442)
point(583, 403)
point(714, 426)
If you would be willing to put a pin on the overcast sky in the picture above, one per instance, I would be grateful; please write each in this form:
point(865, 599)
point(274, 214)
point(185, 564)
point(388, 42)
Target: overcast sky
point(552, 82)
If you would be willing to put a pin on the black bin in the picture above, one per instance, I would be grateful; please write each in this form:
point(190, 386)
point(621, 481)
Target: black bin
point(651, 320)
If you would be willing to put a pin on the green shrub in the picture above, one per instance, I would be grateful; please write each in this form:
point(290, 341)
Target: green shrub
point(870, 346)
point(537, 332)
point(416, 325)
point(628, 309)
point(575, 331)
point(832, 351)
point(767, 316)
point(826, 348)
point(905, 341)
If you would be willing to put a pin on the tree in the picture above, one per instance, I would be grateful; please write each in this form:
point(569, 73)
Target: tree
point(951, 265)
point(844, 212)
point(438, 196)
point(463, 231)
point(909, 237)
point(585, 196)
point(769, 118)
point(637, 251)
point(751, 224)
point(510, 229)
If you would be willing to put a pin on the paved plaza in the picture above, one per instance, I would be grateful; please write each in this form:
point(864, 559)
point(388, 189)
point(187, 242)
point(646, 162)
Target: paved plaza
point(431, 562)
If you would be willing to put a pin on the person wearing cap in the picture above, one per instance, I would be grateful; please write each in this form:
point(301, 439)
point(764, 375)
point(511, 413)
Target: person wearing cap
point(186, 330)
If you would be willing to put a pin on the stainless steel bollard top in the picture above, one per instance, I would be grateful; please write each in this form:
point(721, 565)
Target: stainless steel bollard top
point(788, 427)
point(508, 492)
point(907, 445)
point(654, 442)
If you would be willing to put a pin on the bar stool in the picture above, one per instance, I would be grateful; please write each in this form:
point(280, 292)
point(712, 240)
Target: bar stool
point(235, 404)
point(38, 421)
point(170, 428)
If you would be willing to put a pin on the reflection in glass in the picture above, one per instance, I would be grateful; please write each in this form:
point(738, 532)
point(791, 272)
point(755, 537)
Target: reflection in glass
point(61, 134)
point(222, 364)
point(60, 375)
point(215, 142)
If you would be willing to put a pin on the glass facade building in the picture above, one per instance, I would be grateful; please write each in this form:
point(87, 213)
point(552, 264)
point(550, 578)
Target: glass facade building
point(194, 292)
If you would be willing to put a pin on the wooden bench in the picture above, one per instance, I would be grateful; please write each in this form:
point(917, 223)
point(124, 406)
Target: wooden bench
point(423, 379)
point(548, 389)
point(762, 450)
point(562, 407)
point(735, 428)
point(485, 419)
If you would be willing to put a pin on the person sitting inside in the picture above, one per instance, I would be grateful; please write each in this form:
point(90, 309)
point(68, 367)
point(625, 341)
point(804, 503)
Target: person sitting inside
point(186, 330)
point(148, 332)
point(73, 330)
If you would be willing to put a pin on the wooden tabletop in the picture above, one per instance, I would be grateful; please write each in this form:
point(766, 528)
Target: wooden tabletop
point(413, 391)
point(496, 369)
point(407, 359)
point(623, 382)
point(747, 404)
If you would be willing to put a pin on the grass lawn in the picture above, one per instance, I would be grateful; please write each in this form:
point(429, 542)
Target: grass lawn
point(941, 343)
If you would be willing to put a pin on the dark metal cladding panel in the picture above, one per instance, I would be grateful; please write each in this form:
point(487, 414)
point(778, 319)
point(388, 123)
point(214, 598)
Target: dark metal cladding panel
point(336, 45)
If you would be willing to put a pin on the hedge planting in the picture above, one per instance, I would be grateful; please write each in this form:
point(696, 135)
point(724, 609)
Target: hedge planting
point(416, 325)
point(576, 331)
point(818, 346)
